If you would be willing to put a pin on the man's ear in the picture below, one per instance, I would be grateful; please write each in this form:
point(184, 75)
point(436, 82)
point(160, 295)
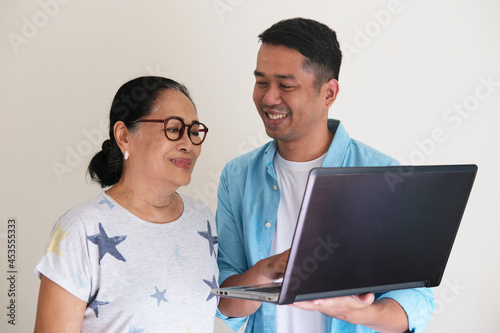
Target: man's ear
point(332, 90)
point(122, 136)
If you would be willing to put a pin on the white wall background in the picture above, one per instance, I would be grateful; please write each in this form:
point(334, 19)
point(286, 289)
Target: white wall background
point(420, 81)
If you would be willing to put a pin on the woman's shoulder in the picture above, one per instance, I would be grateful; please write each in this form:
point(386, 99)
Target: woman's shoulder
point(78, 215)
point(195, 206)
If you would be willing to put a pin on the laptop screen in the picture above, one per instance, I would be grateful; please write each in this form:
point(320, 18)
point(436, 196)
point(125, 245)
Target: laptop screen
point(375, 228)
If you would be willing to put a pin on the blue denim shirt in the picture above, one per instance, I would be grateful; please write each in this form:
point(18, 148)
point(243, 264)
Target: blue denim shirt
point(248, 199)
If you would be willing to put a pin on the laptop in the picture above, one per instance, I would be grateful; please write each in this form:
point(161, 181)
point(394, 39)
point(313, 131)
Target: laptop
point(369, 230)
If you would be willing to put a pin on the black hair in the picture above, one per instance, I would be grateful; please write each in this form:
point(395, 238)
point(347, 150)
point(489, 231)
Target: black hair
point(314, 40)
point(133, 101)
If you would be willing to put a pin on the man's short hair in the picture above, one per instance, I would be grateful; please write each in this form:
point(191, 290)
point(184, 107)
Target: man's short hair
point(314, 40)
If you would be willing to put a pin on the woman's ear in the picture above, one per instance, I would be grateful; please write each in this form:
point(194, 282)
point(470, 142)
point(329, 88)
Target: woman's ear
point(122, 136)
point(332, 90)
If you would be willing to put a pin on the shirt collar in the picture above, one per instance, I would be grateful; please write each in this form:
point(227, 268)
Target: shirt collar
point(334, 156)
point(338, 148)
point(271, 149)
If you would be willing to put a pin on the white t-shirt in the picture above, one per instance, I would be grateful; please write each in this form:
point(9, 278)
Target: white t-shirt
point(136, 276)
point(292, 178)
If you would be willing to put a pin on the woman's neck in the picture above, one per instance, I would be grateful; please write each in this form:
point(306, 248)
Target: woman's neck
point(146, 203)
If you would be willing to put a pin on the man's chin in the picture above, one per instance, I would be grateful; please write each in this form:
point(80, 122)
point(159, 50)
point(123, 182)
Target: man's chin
point(274, 134)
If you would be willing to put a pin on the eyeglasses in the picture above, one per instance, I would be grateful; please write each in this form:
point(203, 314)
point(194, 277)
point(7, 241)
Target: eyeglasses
point(174, 129)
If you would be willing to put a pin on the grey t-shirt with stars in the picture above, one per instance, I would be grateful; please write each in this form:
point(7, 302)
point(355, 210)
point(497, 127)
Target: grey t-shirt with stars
point(136, 276)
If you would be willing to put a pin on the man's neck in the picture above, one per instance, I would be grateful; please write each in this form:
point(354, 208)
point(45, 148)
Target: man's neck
point(305, 150)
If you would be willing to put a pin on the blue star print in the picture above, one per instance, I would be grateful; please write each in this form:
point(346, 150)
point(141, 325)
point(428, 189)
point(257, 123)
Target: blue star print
point(180, 258)
point(107, 244)
point(107, 202)
point(159, 295)
point(212, 284)
point(132, 329)
point(93, 303)
point(212, 240)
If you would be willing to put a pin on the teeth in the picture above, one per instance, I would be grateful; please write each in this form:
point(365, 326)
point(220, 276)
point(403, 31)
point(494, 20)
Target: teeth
point(179, 162)
point(276, 116)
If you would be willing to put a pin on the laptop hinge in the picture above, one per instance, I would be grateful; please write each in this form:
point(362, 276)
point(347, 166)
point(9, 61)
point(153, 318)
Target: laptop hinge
point(358, 291)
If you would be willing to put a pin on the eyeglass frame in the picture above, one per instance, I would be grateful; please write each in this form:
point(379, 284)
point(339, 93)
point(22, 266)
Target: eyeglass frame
point(181, 131)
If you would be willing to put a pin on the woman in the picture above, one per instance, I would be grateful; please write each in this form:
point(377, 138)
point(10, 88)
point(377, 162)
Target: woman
point(139, 257)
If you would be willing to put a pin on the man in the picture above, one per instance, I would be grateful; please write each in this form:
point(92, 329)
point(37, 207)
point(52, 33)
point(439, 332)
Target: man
point(296, 82)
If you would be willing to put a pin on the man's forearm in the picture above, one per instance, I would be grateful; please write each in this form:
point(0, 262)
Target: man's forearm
point(233, 307)
point(388, 316)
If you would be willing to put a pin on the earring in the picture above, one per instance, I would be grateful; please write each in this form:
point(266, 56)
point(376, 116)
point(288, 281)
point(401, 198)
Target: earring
point(126, 155)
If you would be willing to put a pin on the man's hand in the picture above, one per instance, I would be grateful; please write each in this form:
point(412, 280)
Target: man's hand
point(384, 315)
point(338, 307)
point(273, 268)
point(264, 271)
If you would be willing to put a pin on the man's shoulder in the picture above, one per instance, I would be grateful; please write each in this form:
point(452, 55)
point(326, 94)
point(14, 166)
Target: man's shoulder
point(252, 159)
point(364, 154)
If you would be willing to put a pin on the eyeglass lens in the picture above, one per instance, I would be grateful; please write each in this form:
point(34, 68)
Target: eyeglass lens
point(174, 129)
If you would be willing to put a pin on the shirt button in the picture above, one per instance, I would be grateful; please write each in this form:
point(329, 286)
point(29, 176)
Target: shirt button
point(275, 187)
point(268, 224)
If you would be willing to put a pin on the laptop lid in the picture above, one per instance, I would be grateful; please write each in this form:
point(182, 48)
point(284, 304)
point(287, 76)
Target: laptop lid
point(375, 229)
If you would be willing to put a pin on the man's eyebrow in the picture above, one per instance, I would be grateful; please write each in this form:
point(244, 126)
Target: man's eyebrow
point(257, 73)
point(277, 76)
